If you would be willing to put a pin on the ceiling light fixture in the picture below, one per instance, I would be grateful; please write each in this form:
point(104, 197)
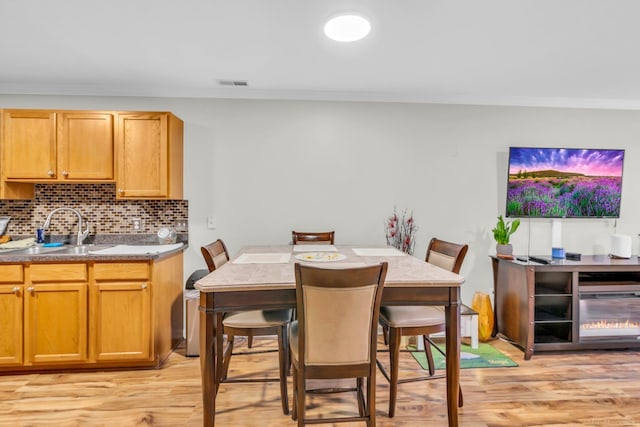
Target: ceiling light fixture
point(347, 27)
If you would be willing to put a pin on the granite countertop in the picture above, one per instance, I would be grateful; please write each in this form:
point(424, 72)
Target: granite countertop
point(103, 244)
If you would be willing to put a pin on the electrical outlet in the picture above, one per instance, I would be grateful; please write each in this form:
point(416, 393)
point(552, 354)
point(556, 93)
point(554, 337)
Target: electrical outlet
point(137, 224)
point(182, 225)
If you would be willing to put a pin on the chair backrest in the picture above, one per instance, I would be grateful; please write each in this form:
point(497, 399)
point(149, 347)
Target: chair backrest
point(338, 314)
point(215, 254)
point(302, 237)
point(446, 255)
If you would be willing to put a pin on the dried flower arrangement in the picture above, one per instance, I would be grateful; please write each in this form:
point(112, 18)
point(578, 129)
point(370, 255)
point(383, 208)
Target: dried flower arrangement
point(400, 231)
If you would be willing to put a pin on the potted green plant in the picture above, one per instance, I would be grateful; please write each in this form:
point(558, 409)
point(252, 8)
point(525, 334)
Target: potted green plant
point(502, 232)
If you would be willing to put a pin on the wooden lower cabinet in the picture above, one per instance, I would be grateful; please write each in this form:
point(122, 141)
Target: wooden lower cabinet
point(11, 314)
point(55, 321)
point(11, 321)
point(90, 315)
point(121, 310)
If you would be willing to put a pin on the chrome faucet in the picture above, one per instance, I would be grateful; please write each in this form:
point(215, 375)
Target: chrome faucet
point(82, 234)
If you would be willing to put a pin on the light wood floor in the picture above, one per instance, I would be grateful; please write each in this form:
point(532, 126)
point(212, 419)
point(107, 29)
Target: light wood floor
point(562, 389)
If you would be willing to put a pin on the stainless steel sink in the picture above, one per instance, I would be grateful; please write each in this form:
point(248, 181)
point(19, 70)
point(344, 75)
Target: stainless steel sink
point(58, 250)
point(34, 250)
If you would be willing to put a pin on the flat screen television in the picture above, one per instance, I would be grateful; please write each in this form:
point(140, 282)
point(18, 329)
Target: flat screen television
point(564, 182)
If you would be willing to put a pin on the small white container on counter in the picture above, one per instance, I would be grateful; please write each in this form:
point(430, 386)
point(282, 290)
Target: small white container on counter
point(167, 235)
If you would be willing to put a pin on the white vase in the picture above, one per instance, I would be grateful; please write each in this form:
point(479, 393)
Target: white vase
point(504, 249)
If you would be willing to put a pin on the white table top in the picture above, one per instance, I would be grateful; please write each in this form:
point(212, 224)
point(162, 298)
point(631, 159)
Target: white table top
point(404, 270)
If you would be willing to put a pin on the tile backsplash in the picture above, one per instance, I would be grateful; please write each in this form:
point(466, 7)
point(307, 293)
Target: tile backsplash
point(97, 203)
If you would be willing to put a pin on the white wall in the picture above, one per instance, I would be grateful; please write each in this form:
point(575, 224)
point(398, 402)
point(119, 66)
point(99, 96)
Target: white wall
point(264, 168)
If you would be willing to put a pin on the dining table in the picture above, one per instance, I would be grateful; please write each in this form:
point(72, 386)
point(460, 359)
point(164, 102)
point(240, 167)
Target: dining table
point(262, 277)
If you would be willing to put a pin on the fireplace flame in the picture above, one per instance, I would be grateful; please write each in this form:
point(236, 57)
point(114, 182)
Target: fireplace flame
point(604, 324)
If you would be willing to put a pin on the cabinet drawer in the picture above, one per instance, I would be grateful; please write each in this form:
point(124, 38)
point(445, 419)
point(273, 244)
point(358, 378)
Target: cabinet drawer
point(58, 272)
point(11, 274)
point(121, 271)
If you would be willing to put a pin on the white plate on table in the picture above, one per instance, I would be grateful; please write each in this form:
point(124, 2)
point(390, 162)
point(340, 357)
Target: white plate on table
point(320, 256)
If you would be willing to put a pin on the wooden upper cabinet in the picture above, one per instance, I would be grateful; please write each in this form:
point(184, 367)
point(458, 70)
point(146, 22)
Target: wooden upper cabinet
point(149, 156)
point(141, 151)
point(85, 146)
point(50, 146)
point(29, 142)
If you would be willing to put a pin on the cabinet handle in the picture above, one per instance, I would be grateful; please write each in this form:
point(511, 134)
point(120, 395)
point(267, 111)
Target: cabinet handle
point(65, 173)
point(30, 289)
point(120, 190)
point(144, 286)
point(51, 173)
point(15, 290)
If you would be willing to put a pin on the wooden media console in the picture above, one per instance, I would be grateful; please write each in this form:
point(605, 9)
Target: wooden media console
point(593, 303)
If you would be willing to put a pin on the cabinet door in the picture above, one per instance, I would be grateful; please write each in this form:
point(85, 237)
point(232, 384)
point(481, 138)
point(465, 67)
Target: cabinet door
point(122, 311)
point(85, 146)
point(142, 166)
point(123, 320)
point(56, 309)
point(29, 145)
point(11, 324)
point(56, 322)
point(149, 156)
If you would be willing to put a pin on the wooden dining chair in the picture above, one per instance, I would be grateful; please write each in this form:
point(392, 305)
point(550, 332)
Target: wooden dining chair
point(349, 301)
point(400, 321)
point(303, 237)
point(251, 323)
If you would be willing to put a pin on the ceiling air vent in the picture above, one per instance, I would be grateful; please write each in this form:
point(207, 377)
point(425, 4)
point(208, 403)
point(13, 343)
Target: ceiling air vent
point(226, 82)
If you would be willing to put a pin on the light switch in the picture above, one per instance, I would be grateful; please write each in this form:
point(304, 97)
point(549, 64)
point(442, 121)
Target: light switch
point(211, 222)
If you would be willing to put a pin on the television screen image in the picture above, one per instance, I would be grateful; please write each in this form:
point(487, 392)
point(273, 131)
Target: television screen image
point(564, 182)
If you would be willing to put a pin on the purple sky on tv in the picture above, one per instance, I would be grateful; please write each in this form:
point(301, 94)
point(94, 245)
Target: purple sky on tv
point(593, 162)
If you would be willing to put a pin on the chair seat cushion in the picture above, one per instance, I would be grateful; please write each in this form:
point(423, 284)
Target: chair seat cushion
point(412, 316)
point(257, 318)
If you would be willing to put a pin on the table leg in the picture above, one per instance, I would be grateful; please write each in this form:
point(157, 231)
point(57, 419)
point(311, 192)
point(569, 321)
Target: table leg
point(452, 315)
point(218, 351)
point(208, 361)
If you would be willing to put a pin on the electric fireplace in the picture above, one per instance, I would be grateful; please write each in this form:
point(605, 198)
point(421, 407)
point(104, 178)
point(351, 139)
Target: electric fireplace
point(609, 313)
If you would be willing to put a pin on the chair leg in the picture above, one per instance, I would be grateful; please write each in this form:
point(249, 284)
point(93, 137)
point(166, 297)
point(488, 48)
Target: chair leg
point(294, 412)
point(283, 349)
point(302, 392)
point(385, 334)
point(371, 400)
point(249, 340)
point(226, 357)
point(360, 397)
point(394, 359)
point(460, 402)
point(427, 351)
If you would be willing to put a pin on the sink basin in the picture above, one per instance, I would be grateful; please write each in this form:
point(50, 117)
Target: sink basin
point(58, 250)
point(35, 250)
